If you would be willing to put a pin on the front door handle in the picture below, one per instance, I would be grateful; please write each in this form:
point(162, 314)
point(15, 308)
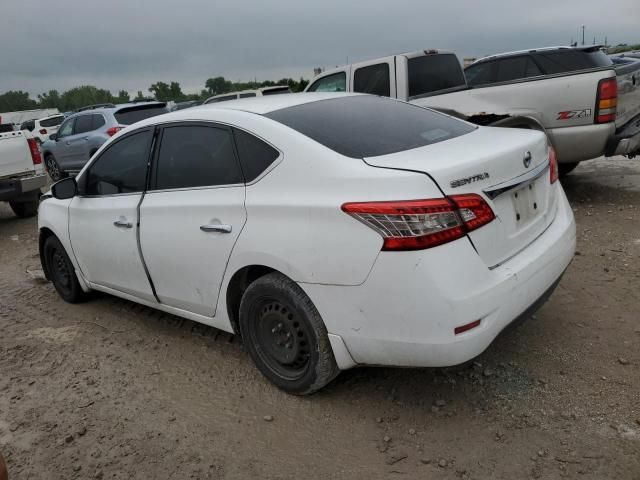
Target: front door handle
point(123, 224)
point(218, 227)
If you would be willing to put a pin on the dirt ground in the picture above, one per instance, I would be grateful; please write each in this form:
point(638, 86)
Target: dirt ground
point(109, 389)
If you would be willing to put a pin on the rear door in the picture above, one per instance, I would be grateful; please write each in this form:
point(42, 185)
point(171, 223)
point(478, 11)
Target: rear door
point(59, 148)
point(103, 218)
point(376, 77)
point(192, 214)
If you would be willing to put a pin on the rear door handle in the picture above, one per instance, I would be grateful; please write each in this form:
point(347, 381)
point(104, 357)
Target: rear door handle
point(123, 224)
point(218, 227)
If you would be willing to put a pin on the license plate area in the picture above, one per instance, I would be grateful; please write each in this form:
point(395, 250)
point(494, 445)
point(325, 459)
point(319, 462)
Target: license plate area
point(526, 204)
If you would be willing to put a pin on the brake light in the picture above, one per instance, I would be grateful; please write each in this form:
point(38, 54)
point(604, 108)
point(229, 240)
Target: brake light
point(43, 131)
point(113, 130)
point(36, 158)
point(421, 224)
point(607, 100)
point(553, 165)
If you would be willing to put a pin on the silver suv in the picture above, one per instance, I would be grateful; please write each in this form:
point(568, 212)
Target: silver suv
point(84, 132)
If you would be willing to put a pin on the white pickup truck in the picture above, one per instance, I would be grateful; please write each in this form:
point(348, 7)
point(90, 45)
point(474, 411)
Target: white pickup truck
point(22, 174)
point(571, 94)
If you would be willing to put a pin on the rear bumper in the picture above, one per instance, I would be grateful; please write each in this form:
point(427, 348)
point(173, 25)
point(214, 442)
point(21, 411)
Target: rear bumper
point(12, 188)
point(575, 144)
point(626, 140)
point(406, 311)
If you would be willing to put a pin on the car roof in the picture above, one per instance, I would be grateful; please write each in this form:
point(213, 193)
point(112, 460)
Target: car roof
point(585, 48)
point(256, 105)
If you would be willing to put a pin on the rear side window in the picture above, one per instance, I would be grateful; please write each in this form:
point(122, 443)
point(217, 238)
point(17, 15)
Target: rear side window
point(196, 156)
point(247, 95)
point(516, 68)
point(373, 79)
point(430, 73)
point(121, 168)
point(255, 155)
point(83, 124)
point(331, 83)
point(480, 73)
point(51, 122)
point(276, 91)
point(130, 115)
point(364, 126)
point(563, 61)
point(97, 121)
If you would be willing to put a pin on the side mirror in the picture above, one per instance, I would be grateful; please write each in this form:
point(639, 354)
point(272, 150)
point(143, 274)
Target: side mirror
point(64, 189)
point(53, 137)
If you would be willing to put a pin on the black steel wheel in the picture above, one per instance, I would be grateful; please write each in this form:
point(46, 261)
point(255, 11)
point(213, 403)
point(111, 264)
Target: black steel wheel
point(285, 335)
point(61, 271)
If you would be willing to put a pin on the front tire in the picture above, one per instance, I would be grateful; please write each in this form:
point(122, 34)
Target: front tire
point(285, 335)
point(53, 169)
point(61, 271)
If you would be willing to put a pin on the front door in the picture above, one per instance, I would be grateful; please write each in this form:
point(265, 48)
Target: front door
point(192, 215)
point(103, 218)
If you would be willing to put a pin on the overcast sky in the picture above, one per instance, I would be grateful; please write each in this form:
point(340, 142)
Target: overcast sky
point(130, 44)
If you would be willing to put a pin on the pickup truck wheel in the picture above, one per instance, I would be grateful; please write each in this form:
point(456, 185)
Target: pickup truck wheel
point(25, 208)
point(285, 335)
point(53, 169)
point(566, 168)
point(62, 272)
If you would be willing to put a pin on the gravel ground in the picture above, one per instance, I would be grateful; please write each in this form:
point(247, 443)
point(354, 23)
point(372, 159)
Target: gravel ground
point(109, 389)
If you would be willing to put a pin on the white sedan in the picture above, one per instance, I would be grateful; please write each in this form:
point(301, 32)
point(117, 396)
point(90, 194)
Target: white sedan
point(328, 230)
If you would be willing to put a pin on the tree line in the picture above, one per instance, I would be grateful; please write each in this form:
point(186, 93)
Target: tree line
point(15, 100)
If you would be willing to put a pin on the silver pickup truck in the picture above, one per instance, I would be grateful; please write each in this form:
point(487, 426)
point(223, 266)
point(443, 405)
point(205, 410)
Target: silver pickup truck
point(22, 174)
point(574, 95)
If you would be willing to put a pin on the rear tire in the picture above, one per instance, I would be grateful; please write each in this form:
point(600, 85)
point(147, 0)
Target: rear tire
point(566, 168)
point(26, 208)
point(61, 271)
point(53, 169)
point(285, 335)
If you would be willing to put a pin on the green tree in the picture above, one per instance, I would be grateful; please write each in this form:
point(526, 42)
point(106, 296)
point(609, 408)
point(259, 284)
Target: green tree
point(123, 97)
point(16, 100)
point(50, 99)
point(85, 95)
point(165, 92)
point(218, 85)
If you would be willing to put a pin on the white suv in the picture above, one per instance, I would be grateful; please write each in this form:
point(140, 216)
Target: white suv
point(42, 128)
point(328, 230)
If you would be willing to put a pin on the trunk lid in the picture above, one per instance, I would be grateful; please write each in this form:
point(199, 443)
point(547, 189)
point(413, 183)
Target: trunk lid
point(491, 162)
point(15, 156)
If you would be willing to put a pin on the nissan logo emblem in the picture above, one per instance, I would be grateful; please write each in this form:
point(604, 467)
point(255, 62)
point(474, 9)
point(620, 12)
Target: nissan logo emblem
point(527, 159)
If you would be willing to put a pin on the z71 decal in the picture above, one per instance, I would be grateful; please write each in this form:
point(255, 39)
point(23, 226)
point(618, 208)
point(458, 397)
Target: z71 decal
point(568, 115)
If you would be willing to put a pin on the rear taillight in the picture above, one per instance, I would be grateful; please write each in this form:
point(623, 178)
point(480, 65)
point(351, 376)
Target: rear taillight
point(36, 158)
point(607, 100)
point(421, 224)
point(553, 165)
point(113, 130)
point(43, 131)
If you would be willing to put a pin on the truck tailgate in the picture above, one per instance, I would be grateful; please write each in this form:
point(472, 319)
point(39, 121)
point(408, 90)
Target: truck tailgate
point(15, 156)
point(628, 75)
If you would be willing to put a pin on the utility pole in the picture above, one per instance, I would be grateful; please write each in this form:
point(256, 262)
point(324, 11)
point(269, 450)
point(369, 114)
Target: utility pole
point(582, 34)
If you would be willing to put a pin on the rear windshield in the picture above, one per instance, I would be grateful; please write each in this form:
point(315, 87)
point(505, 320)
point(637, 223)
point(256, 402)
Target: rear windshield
point(368, 126)
point(431, 73)
point(130, 115)
point(52, 122)
point(561, 61)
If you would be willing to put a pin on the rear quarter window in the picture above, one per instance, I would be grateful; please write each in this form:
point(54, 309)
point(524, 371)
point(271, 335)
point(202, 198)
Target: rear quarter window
point(130, 115)
point(255, 155)
point(373, 79)
point(367, 126)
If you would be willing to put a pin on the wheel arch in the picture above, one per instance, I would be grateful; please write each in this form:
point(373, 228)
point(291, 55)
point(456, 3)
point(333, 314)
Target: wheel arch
point(44, 234)
point(236, 287)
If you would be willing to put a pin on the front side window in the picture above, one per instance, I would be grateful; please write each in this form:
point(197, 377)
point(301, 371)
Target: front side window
point(122, 167)
point(373, 79)
point(196, 156)
point(67, 128)
point(336, 82)
point(84, 123)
